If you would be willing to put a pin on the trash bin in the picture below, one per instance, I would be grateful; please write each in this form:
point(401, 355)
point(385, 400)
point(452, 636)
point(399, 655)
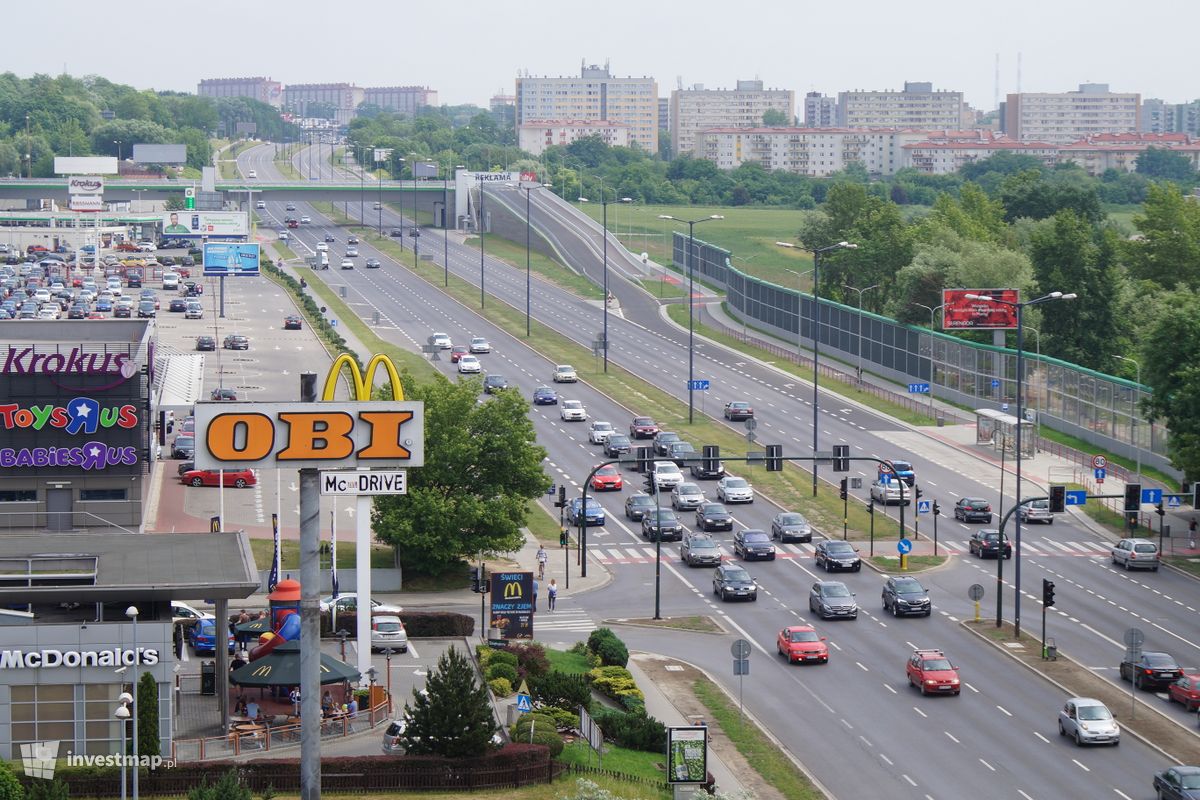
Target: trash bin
point(941, 420)
point(208, 678)
point(1050, 650)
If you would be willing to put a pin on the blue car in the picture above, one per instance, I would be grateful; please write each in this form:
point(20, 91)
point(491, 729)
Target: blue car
point(545, 396)
point(104, 304)
point(594, 514)
point(204, 637)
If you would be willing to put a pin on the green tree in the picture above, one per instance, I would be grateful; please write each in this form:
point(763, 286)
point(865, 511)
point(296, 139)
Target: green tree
point(973, 215)
point(48, 790)
point(453, 717)
point(10, 786)
point(774, 118)
point(1174, 372)
point(1037, 195)
point(1158, 162)
point(1167, 251)
point(147, 711)
point(1002, 163)
point(482, 465)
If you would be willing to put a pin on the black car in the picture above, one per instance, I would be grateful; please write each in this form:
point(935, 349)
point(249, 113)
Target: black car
point(206, 343)
point(184, 446)
point(352, 239)
point(731, 581)
point(973, 509)
point(699, 549)
point(680, 451)
point(662, 440)
point(373, 263)
point(708, 470)
point(134, 280)
point(791, 526)
point(661, 523)
point(1178, 783)
point(637, 505)
point(329, 237)
point(986, 544)
point(187, 261)
point(494, 383)
point(122, 310)
point(77, 312)
point(186, 466)
point(177, 304)
point(904, 594)
point(236, 341)
point(833, 554)
point(146, 309)
point(396, 232)
point(753, 544)
point(713, 517)
point(1151, 671)
point(292, 322)
point(222, 394)
point(616, 445)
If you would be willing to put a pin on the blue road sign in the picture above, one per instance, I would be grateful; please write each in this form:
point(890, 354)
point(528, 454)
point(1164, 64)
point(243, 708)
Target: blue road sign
point(1100, 473)
point(923, 507)
point(1004, 407)
point(995, 383)
point(1172, 502)
point(550, 492)
point(918, 388)
point(904, 547)
point(333, 323)
point(1151, 496)
point(1076, 497)
point(698, 386)
point(523, 704)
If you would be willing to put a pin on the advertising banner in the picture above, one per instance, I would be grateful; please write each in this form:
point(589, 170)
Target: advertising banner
point(85, 184)
point(961, 313)
point(205, 223)
point(86, 202)
point(231, 259)
point(160, 153)
point(687, 754)
point(85, 165)
point(512, 604)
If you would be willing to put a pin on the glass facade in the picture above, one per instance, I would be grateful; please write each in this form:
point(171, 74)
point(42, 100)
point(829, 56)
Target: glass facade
point(78, 716)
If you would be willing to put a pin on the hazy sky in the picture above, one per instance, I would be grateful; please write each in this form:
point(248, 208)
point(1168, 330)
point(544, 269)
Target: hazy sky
point(469, 50)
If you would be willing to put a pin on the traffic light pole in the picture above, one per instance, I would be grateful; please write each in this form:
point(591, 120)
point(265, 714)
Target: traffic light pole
point(1000, 556)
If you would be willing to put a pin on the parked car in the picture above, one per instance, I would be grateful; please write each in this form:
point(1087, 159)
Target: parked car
point(236, 341)
point(800, 644)
point(831, 599)
point(699, 549)
point(206, 343)
point(183, 447)
point(203, 636)
point(1134, 553)
point(237, 478)
point(904, 594)
point(732, 581)
point(791, 526)
point(293, 322)
point(388, 633)
point(1088, 721)
point(224, 394)
point(348, 602)
point(193, 310)
point(973, 509)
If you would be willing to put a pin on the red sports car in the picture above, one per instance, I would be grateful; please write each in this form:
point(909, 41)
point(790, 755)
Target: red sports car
point(1186, 690)
point(237, 478)
point(802, 643)
point(607, 478)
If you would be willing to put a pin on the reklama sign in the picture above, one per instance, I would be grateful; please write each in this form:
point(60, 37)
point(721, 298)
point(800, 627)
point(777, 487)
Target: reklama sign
point(962, 313)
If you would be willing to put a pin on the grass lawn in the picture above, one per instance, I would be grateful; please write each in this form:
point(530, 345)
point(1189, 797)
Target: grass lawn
point(263, 549)
point(568, 662)
point(566, 786)
point(915, 563)
point(618, 759)
point(1186, 563)
point(547, 268)
point(694, 623)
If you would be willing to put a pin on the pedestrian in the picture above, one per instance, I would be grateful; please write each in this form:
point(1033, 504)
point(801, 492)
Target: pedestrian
point(551, 594)
point(535, 591)
point(1192, 534)
point(252, 710)
point(326, 704)
point(243, 617)
point(542, 558)
point(295, 698)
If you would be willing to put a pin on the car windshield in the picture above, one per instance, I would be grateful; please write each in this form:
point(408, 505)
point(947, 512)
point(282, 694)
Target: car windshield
point(737, 575)
point(714, 508)
point(601, 426)
point(642, 500)
point(665, 515)
point(736, 483)
point(643, 421)
point(572, 404)
point(1144, 548)
point(612, 440)
point(756, 536)
point(1190, 781)
point(1094, 712)
point(902, 466)
point(702, 541)
point(803, 636)
point(908, 586)
point(938, 663)
point(791, 519)
point(835, 590)
point(688, 488)
point(839, 548)
point(592, 504)
point(609, 470)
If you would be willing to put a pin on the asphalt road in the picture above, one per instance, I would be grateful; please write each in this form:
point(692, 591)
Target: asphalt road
point(994, 733)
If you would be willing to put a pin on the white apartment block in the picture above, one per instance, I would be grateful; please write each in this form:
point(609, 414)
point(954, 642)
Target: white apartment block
point(264, 90)
point(1120, 151)
point(918, 106)
point(1066, 117)
point(820, 111)
point(595, 95)
point(806, 151)
point(535, 137)
point(698, 109)
point(344, 97)
point(945, 156)
point(400, 99)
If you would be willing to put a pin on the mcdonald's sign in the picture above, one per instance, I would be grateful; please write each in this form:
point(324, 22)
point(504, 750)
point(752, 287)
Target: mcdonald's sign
point(512, 604)
point(384, 434)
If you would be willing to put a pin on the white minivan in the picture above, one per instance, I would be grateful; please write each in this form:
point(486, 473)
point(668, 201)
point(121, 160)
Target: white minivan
point(170, 280)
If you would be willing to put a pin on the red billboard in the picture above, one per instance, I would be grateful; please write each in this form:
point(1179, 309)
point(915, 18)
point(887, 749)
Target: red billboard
point(962, 313)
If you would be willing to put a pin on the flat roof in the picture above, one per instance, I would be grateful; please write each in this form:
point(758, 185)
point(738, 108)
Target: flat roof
point(104, 331)
point(160, 566)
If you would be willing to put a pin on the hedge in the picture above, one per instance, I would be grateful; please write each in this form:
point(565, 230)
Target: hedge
point(560, 689)
point(608, 647)
point(318, 321)
point(418, 624)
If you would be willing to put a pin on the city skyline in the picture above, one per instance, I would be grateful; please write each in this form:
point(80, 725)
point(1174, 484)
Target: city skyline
point(465, 55)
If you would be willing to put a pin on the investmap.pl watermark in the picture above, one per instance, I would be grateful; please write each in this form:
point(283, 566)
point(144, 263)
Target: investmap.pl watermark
point(39, 759)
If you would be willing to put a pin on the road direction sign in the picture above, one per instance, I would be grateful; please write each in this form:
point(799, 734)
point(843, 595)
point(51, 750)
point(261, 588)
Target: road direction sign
point(1134, 637)
point(740, 648)
point(1099, 461)
point(1076, 497)
point(923, 507)
point(1172, 502)
point(975, 592)
point(995, 383)
point(1152, 496)
point(523, 704)
point(904, 546)
point(1100, 473)
point(918, 388)
point(551, 490)
point(698, 386)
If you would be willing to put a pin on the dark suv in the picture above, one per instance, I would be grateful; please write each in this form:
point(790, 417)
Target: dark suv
point(661, 523)
point(973, 509)
point(616, 445)
point(663, 441)
point(834, 555)
point(986, 544)
point(904, 594)
point(731, 581)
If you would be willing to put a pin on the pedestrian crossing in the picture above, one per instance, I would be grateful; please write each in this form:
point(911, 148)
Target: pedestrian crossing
point(645, 554)
point(575, 620)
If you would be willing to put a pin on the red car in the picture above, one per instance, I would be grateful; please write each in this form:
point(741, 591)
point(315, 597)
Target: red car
point(607, 478)
point(643, 428)
point(932, 673)
point(802, 643)
point(457, 352)
point(126, 247)
point(1186, 690)
point(237, 478)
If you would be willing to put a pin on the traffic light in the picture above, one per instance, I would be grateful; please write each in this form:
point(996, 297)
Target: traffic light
point(643, 459)
point(561, 502)
point(1133, 498)
point(648, 483)
point(1058, 498)
point(842, 493)
point(475, 582)
point(1158, 509)
point(920, 491)
point(562, 538)
point(712, 458)
point(871, 507)
point(937, 510)
point(1047, 593)
point(774, 458)
point(841, 458)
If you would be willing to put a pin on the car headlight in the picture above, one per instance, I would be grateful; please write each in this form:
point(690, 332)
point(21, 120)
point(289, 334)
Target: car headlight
point(930, 681)
point(954, 681)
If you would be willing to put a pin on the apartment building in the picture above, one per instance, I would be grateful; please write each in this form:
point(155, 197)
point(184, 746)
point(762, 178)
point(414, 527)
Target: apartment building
point(698, 109)
point(820, 111)
point(264, 90)
point(344, 97)
point(596, 96)
point(664, 113)
point(535, 137)
point(947, 155)
point(1066, 117)
point(400, 99)
point(1120, 151)
point(805, 151)
point(917, 106)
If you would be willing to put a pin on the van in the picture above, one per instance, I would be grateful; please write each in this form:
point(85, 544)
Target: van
point(324, 260)
point(170, 280)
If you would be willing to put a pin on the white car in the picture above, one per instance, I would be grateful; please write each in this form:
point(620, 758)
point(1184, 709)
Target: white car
point(469, 364)
point(305, 220)
point(42, 295)
point(283, 236)
point(571, 410)
point(441, 341)
point(252, 174)
point(182, 612)
point(260, 204)
point(480, 345)
point(600, 431)
point(347, 264)
point(348, 601)
point(48, 312)
point(889, 493)
point(170, 280)
point(146, 246)
point(322, 247)
point(387, 632)
point(734, 490)
point(193, 310)
point(666, 475)
point(565, 373)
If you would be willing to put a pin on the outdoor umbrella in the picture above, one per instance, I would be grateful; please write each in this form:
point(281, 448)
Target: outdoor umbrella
point(254, 628)
point(281, 667)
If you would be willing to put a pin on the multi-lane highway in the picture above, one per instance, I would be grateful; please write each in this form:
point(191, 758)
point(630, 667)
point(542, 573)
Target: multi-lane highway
point(855, 722)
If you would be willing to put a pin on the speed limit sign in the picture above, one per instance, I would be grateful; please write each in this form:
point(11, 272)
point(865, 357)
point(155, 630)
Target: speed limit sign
point(1099, 461)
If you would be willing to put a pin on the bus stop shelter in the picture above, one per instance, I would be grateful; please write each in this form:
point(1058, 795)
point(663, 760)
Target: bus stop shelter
point(1000, 431)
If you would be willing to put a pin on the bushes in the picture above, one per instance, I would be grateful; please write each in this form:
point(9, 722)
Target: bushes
point(531, 659)
point(610, 649)
point(634, 729)
point(498, 669)
point(560, 689)
point(311, 310)
point(545, 731)
point(564, 719)
point(501, 687)
point(548, 737)
point(617, 683)
point(521, 726)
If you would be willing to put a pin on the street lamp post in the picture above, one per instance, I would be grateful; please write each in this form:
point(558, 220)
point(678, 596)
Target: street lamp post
point(691, 268)
point(1137, 442)
point(122, 714)
point(132, 613)
point(401, 179)
point(528, 241)
point(861, 292)
point(816, 325)
point(932, 326)
point(1020, 309)
point(1037, 408)
point(479, 176)
point(604, 201)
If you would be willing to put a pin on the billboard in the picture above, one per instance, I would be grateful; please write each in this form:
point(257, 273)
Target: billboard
point(85, 165)
point(424, 169)
point(85, 184)
point(687, 754)
point(231, 259)
point(205, 223)
point(961, 313)
point(512, 604)
point(160, 153)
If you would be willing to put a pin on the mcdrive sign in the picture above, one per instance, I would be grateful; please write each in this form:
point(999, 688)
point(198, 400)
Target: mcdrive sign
point(378, 433)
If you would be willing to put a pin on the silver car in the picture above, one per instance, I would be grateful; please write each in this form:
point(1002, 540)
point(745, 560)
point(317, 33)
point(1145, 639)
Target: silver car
point(831, 599)
point(1136, 554)
point(889, 493)
point(735, 490)
point(686, 496)
point(1088, 721)
point(1037, 511)
point(599, 432)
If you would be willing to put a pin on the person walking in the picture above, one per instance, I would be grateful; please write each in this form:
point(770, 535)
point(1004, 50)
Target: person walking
point(535, 591)
point(295, 698)
point(551, 594)
point(542, 558)
point(1192, 534)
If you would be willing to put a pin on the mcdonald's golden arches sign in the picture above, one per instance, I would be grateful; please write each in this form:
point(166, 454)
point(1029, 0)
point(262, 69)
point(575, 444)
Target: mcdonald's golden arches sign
point(359, 433)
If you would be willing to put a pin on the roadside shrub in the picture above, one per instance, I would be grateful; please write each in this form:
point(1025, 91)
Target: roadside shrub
point(522, 725)
point(503, 657)
point(531, 659)
point(548, 737)
point(616, 682)
point(483, 654)
point(634, 730)
point(564, 719)
point(560, 689)
point(608, 647)
point(501, 687)
point(498, 669)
